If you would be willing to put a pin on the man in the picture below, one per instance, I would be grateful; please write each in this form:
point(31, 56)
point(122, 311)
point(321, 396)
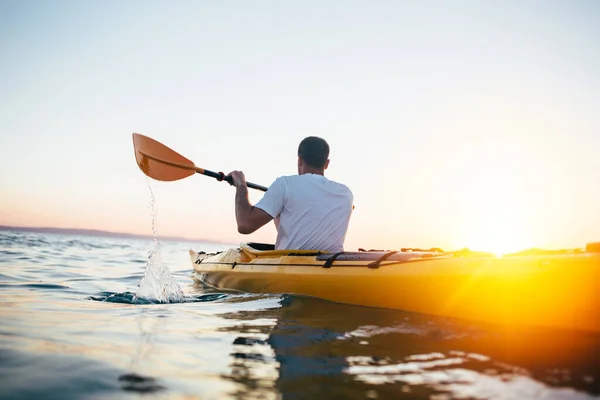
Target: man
point(310, 211)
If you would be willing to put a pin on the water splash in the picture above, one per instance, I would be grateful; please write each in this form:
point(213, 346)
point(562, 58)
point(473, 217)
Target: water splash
point(130, 298)
point(157, 284)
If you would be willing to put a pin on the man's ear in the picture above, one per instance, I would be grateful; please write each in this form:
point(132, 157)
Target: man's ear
point(326, 164)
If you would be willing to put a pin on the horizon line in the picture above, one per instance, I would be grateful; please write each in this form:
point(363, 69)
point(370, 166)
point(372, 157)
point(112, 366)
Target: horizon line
point(100, 232)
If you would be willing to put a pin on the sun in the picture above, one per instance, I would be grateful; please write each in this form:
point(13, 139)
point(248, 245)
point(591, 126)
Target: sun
point(499, 231)
point(496, 217)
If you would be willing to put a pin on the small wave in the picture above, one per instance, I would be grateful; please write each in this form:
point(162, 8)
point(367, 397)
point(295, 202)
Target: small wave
point(138, 383)
point(80, 244)
point(130, 298)
point(24, 241)
point(10, 253)
point(7, 277)
point(33, 285)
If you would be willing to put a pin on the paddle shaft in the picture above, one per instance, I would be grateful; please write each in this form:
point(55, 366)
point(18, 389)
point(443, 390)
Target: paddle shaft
point(217, 175)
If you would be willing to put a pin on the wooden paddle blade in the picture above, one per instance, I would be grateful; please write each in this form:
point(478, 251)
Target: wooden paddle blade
point(157, 160)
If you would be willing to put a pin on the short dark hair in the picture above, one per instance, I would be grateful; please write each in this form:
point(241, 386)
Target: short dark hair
point(314, 151)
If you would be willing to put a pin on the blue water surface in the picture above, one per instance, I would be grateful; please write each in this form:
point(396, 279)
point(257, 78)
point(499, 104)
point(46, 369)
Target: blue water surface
point(69, 330)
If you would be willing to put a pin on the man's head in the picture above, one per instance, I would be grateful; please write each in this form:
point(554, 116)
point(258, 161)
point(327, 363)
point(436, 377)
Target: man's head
point(313, 156)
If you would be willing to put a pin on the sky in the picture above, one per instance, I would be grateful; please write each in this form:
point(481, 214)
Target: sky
point(454, 123)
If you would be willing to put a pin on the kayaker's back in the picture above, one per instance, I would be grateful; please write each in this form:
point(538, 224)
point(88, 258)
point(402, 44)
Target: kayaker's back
point(310, 211)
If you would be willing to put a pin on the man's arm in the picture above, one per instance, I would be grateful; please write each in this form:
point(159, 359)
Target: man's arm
point(248, 217)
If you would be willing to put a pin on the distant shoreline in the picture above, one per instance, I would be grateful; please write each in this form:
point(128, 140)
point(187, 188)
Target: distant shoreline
point(101, 233)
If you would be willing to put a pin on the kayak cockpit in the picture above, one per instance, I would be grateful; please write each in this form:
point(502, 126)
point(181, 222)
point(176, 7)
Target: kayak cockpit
point(252, 252)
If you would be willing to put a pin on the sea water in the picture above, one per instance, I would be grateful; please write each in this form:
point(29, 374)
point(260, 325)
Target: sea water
point(69, 329)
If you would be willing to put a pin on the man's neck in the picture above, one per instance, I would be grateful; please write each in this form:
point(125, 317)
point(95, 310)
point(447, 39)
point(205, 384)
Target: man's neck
point(315, 171)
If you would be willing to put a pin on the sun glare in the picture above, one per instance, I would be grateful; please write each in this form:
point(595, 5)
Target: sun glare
point(496, 217)
point(500, 233)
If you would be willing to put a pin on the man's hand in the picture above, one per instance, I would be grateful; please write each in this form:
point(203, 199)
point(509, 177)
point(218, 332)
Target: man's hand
point(238, 178)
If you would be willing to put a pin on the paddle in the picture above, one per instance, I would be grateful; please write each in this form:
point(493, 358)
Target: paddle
point(164, 164)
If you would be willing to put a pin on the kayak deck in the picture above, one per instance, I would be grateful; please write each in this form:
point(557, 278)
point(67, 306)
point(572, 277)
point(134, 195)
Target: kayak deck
point(557, 290)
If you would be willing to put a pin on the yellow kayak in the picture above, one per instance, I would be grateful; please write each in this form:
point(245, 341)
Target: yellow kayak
point(558, 289)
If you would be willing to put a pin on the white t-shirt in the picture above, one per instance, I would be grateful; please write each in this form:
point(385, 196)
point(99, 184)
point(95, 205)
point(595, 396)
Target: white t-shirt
point(310, 211)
